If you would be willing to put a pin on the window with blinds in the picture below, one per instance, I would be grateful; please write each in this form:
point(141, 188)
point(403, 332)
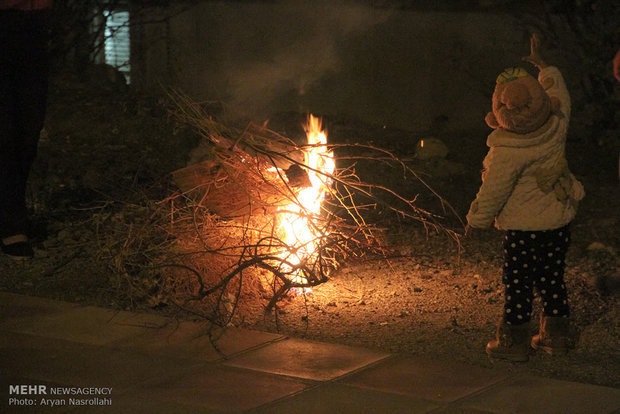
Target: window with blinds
point(117, 42)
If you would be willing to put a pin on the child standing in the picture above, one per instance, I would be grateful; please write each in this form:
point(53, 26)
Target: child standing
point(528, 190)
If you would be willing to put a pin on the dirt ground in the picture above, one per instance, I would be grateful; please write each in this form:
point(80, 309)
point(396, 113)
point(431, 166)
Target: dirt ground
point(105, 155)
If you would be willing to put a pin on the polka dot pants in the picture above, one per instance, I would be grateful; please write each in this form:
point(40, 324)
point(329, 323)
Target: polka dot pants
point(534, 260)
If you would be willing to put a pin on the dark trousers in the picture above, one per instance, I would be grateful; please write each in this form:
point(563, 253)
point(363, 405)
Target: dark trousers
point(534, 260)
point(24, 65)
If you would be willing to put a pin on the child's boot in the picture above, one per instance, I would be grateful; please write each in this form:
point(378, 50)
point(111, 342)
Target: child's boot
point(511, 343)
point(555, 335)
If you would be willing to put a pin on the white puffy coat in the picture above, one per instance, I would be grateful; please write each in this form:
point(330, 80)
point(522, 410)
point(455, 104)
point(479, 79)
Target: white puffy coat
point(526, 183)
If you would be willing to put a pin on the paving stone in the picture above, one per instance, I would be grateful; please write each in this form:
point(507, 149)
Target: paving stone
point(155, 365)
point(221, 389)
point(90, 325)
point(305, 359)
point(14, 306)
point(431, 380)
point(343, 399)
point(82, 365)
point(535, 395)
point(190, 340)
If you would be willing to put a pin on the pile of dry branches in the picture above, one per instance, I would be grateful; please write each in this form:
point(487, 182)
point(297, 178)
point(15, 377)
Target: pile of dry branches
point(224, 227)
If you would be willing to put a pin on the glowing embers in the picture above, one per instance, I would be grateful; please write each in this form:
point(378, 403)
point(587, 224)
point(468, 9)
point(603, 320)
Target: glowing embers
point(300, 224)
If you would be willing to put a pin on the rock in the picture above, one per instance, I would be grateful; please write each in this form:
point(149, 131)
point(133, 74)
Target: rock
point(431, 147)
point(41, 253)
point(607, 284)
point(598, 246)
point(64, 234)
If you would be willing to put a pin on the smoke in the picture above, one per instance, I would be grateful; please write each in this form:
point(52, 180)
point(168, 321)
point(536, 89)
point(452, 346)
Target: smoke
point(298, 44)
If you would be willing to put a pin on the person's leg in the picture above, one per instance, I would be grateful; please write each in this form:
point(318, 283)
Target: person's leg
point(555, 334)
point(9, 159)
point(519, 264)
point(551, 267)
point(23, 91)
point(513, 330)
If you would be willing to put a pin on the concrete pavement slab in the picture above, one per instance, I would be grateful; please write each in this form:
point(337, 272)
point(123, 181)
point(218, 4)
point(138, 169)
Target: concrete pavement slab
point(81, 365)
point(534, 395)
point(218, 388)
point(338, 398)
point(191, 340)
point(306, 359)
point(158, 365)
point(89, 324)
point(420, 378)
point(13, 306)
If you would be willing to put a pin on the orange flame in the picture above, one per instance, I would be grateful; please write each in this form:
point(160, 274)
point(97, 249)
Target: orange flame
point(298, 226)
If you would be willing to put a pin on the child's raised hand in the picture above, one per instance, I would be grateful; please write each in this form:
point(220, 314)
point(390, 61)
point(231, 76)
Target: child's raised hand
point(535, 58)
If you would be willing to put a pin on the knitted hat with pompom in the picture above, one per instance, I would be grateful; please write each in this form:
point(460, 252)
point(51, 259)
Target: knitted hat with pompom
point(520, 104)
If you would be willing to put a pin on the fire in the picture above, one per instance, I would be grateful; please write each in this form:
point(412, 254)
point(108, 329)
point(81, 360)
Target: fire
point(299, 226)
